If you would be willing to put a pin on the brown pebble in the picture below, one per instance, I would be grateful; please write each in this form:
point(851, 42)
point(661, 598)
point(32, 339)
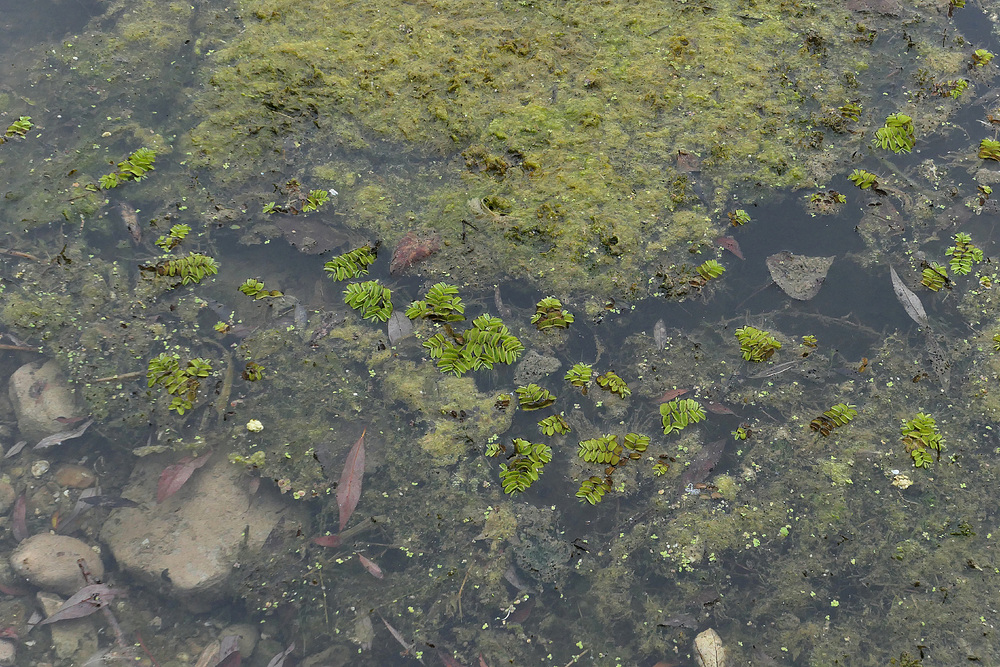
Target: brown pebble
point(75, 477)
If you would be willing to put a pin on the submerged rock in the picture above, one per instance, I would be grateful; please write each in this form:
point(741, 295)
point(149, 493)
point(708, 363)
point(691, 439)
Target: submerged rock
point(50, 562)
point(40, 395)
point(708, 649)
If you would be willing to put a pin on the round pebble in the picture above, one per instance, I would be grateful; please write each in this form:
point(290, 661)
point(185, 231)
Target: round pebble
point(50, 562)
point(39, 468)
point(75, 477)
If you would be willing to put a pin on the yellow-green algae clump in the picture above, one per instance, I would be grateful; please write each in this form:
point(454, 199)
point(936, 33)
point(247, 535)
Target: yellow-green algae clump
point(572, 115)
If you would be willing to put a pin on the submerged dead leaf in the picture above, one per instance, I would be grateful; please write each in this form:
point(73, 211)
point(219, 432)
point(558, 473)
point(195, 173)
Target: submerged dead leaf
point(349, 489)
point(800, 277)
point(84, 602)
point(175, 476)
point(910, 301)
point(370, 565)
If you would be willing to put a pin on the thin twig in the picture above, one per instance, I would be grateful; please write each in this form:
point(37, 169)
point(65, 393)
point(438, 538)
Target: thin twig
point(18, 253)
point(20, 348)
point(121, 376)
point(577, 658)
point(460, 589)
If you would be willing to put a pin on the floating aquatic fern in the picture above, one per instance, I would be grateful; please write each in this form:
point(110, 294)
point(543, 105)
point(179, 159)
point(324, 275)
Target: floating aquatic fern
point(255, 288)
point(579, 375)
point(604, 450)
point(533, 397)
point(981, 57)
point(177, 234)
point(738, 217)
point(524, 469)
point(921, 437)
point(132, 168)
point(837, 416)
point(897, 134)
point(181, 383)
point(611, 382)
point(352, 264)
point(710, 269)
point(863, 179)
point(549, 314)
point(486, 343)
point(190, 268)
point(19, 128)
point(553, 424)
point(756, 344)
point(441, 305)
point(592, 490)
point(850, 111)
point(989, 149)
point(934, 276)
point(678, 413)
point(373, 299)
point(963, 254)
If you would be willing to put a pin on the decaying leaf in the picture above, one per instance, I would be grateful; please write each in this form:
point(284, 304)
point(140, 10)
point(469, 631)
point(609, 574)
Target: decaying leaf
point(18, 518)
point(910, 301)
point(174, 477)
point(279, 660)
point(58, 438)
point(327, 540)
point(398, 637)
point(349, 489)
point(370, 565)
point(84, 602)
point(800, 277)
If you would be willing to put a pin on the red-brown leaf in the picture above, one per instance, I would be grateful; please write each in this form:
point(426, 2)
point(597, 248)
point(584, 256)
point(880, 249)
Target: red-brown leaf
point(18, 518)
point(730, 244)
point(349, 489)
point(718, 408)
point(327, 540)
point(448, 660)
point(670, 395)
point(370, 565)
point(482, 662)
point(173, 477)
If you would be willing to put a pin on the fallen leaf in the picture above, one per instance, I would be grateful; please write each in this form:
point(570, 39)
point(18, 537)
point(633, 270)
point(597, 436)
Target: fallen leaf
point(173, 477)
point(229, 652)
point(327, 540)
point(718, 408)
point(279, 660)
point(730, 244)
point(448, 660)
point(370, 565)
point(482, 663)
point(349, 489)
point(399, 638)
point(16, 449)
point(910, 301)
point(58, 438)
point(84, 602)
point(671, 394)
point(18, 518)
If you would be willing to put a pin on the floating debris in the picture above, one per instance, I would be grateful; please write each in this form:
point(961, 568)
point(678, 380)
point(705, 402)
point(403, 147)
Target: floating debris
point(412, 249)
point(910, 301)
point(62, 436)
point(800, 277)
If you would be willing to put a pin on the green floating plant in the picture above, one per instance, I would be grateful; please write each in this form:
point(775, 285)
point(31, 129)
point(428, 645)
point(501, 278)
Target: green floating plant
point(637, 442)
point(178, 233)
point(592, 490)
point(296, 200)
point(680, 412)
point(488, 342)
point(352, 264)
point(897, 134)
point(741, 433)
point(526, 466)
point(314, 200)
point(838, 415)
point(981, 57)
point(863, 179)
point(190, 268)
point(604, 450)
point(549, 314)
point(921, 437)
point(254, 372)
point(18, 128)
point(181, 383)
point(709, 269)
point(441, 305)
point(255, 288)
point(132, 168)
point(372, 298)
point(955, 88)
point(934, 276)
point(611, 382)
point(963, 254)
point(533, 397)
point(755, 344)
point(579, 375)
point(553, 424)
point(989, 149)
point(850, 111)
point(738, 217)
point(996, 342)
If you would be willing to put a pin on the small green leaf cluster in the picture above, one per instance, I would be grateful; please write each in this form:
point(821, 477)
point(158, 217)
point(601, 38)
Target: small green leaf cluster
point(579, 375)
point(178, 233)
point(132, 168)
point(488, 342)
point(741, 433)
point(921, 437)
point(592, 490)
point(18, 128)
point(611, 382)
point(553, 424)
point(604, 450)
point(863, 179)
point(441, 305)
point(738, 217)
point(755, 344)
point(850, 111)
point(989, 149)
point(839, 415)
point(351, 264)
point(678, 413)
point(981, 57)
point(996, 342)
point(963, 254)
point(181, 383)
point(955, 88)
point(314, 200)
point(190, 268)
point(533, 397)
point(255, 288)
point(254, 372)
point(372, 298)
point(525, 468)
point(549, 314)
point(934, 276)
point(710, 269)
point(897, 134)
